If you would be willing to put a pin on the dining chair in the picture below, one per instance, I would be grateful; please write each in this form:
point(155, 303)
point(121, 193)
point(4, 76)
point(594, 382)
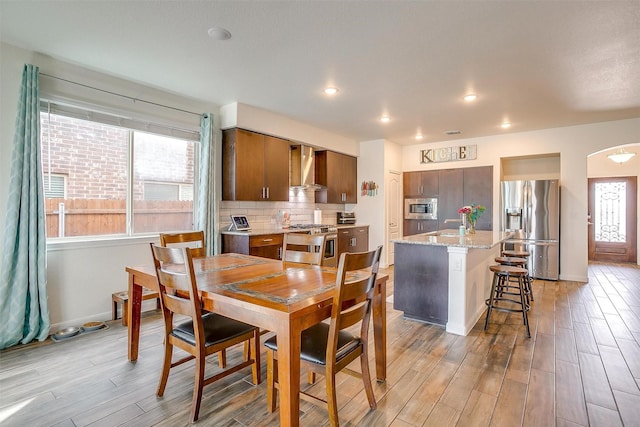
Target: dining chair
point(204, 333)
point(303, 248)
point(194, 240)
point(328, 347)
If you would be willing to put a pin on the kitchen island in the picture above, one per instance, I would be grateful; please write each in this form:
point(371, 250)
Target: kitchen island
point(443, 278)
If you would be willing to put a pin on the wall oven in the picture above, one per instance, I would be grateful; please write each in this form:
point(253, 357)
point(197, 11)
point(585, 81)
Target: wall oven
point(423, 208)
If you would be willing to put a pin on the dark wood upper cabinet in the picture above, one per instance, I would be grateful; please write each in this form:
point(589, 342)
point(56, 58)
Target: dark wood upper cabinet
point(255, 167)
point(421, 184)
point(478, 189)
point(450, 197)
point(337, 174)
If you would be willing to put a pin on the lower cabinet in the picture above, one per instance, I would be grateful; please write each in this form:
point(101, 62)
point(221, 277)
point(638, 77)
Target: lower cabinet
point(353, 239)
point(265, 245)
point(419, 226)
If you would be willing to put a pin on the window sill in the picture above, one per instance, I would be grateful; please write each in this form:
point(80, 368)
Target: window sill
point(57, 244)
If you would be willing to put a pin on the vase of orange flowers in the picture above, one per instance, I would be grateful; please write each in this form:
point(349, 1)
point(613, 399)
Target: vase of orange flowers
point(471, 213)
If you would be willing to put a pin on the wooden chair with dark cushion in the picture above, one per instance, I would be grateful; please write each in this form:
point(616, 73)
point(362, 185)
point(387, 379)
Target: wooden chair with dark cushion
point(204, 333)
point(194, 240)
point(328, 348)
point(303, 248)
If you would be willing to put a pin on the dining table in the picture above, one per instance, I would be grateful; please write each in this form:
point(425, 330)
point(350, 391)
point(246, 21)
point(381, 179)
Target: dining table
point(277, 296)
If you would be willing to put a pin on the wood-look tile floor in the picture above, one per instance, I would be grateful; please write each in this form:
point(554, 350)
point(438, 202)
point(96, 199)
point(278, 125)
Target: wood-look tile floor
point(581, 367)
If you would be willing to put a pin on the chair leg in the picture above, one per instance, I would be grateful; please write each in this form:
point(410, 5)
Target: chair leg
point(197, 388)
point(490, 302)
point(311, 377)
point(125, 313)
point(525, 305)
point(366, 379)
point(166, 366)
point(255, 349)
point(222, 359)
point(332, 403)
point(272, 374)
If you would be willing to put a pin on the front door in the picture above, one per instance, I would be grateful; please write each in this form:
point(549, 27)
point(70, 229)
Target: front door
point(612, 219)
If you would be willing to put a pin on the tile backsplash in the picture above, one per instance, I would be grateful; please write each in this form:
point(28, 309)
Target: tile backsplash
point(263, 215)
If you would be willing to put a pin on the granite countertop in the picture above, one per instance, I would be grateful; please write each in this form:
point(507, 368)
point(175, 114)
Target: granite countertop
point(480, 240)
point(278, 230)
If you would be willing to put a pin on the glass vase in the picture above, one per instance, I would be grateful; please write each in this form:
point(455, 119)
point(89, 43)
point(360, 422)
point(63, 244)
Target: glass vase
point(471, 226)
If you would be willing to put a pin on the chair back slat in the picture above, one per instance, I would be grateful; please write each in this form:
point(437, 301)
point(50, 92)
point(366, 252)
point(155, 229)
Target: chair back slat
point(303, 248)
point(357, 273)
point(177, 282)
point(194, 240)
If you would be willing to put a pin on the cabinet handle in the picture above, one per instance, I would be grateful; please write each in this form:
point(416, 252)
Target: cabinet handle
point(267, 192)
point(267, 240)
point(421, 189)
point(353, 241)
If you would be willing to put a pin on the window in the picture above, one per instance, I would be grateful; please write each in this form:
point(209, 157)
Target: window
point(105, 179)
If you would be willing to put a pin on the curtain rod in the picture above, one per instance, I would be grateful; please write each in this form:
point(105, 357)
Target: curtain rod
point(120, 95)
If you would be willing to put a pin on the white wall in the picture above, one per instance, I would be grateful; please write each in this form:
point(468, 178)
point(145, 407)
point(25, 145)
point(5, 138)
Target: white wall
point(376, 158)
point(574, 143)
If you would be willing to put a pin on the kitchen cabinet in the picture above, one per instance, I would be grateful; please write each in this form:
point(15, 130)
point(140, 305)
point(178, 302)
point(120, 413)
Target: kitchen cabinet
point(264, 245)
point(352, 239)
point(419, 226)
point(478, 189)
point(450, 197)
point(420, 184)
point(255, 167)
point(337, 174)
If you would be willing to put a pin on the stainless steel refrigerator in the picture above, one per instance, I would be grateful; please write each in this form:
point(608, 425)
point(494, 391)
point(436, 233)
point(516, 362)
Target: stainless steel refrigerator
point(531, 210)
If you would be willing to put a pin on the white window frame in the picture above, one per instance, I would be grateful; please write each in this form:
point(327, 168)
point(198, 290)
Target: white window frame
point(133, 124)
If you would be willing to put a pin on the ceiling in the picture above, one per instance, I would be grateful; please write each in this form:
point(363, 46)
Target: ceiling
point(536, 64)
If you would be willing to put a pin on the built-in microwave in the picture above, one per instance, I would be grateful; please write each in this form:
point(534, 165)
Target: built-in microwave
point(424, 208)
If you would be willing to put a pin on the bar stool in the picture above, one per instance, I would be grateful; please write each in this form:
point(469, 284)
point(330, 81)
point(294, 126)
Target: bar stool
point(522, 263)
point(525, 255)
point(502, 288)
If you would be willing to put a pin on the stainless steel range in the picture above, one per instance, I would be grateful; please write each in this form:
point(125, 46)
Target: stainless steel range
point(331, 232)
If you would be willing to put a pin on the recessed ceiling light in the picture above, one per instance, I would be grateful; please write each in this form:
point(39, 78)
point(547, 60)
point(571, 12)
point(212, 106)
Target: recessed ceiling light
point(505, 125)
point(219, 33)
point(419, 136)
point(470, 97)
point(385, 119)
point(331, 90)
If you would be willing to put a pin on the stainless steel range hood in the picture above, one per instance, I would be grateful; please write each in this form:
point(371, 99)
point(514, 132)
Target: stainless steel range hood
point(302, 167)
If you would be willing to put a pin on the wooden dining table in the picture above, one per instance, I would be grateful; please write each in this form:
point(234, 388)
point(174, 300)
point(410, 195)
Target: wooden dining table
point(278, 296)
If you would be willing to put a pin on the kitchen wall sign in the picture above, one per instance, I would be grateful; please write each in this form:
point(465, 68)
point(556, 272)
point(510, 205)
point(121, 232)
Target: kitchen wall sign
point(449, 154)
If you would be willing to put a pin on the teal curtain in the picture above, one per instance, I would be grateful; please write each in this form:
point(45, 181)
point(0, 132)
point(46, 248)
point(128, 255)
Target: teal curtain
point(24, 314)
point(207, 215)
